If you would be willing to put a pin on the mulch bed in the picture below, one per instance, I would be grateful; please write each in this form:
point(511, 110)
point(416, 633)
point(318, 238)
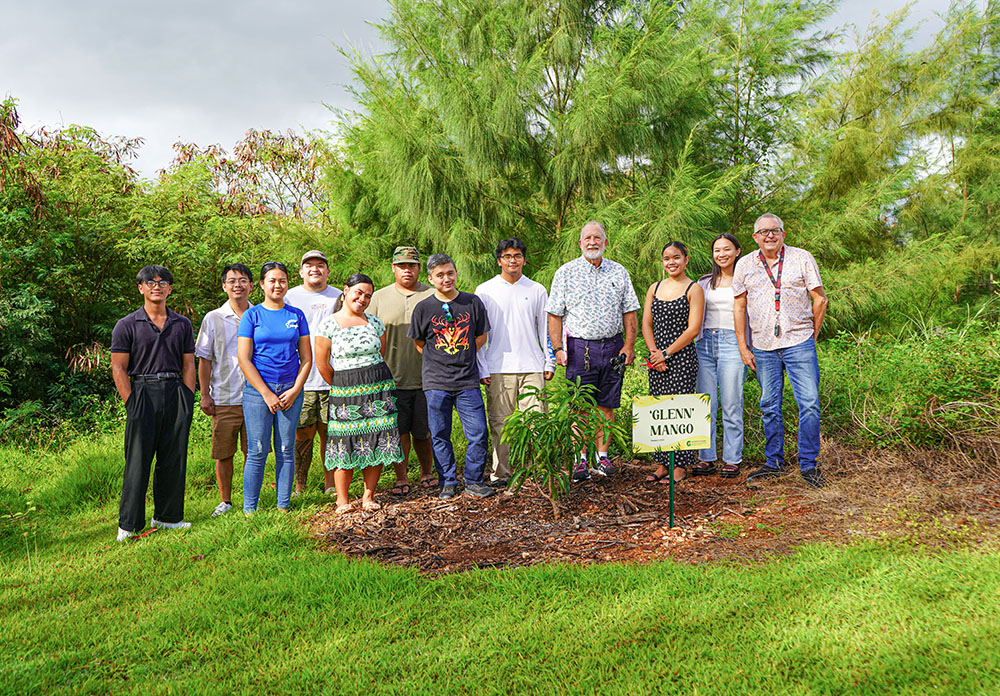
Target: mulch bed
point(615, 519)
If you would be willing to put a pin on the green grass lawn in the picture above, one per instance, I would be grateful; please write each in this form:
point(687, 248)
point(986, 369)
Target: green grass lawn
point(239, 605)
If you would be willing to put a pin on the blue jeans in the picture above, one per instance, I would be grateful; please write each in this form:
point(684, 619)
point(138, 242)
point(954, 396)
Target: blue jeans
point(802, 367)
point(472, 414)
point(721, 372)
point(261, 424)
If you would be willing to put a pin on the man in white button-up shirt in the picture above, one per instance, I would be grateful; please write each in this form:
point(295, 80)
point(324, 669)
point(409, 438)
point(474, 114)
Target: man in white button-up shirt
point(221, 380)
point(517, 353)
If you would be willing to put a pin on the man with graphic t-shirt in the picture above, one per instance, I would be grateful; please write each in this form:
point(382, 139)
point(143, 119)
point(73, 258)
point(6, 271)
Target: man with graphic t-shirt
point(447, 329)
point(316, 299)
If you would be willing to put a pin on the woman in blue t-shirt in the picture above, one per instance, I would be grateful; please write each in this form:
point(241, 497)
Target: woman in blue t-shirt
point(274, 354)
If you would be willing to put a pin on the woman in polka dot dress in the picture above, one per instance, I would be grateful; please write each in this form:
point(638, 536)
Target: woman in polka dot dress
point(671, 319)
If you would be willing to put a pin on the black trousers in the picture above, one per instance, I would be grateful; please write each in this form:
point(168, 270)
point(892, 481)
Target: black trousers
point(158, 422)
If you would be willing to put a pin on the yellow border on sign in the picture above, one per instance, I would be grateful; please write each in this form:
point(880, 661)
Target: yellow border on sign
point(692, 443)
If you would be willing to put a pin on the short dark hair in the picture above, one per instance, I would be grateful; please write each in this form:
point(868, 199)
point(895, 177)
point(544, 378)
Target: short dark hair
point(240, 268)
point(150, 272)
point(436, 260)
point(512, 243)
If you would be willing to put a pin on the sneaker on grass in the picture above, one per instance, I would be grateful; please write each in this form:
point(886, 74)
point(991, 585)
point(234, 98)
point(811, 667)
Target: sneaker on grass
point(169, 525)
point(221, 509)
point(581, 472)
point(124, 534)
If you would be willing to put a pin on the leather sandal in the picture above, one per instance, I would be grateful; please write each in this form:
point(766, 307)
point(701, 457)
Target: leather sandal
point(730, 471)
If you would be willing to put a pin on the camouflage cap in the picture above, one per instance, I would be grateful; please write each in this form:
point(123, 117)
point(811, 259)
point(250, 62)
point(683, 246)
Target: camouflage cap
point(406, 254)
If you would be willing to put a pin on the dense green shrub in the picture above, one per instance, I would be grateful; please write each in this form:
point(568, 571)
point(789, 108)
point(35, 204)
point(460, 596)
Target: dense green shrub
point(882, 390)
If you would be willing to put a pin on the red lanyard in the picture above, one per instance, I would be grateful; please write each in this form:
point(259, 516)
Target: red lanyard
point(776, 282)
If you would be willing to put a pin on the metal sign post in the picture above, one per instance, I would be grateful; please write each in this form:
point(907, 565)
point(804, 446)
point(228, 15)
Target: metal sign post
point(673, 458)
point(670, 424)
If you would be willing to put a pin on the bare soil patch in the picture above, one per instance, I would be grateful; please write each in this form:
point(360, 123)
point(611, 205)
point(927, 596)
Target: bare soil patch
point(916, 497)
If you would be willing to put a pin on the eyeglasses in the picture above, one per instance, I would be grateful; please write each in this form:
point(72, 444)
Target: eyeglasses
point(512, 257)
point(447, 312)
point(156, 283)
point(768, 233)
point(237, 281)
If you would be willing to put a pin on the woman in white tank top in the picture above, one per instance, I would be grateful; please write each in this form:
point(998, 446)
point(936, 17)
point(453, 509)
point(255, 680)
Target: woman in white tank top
point(721, 371)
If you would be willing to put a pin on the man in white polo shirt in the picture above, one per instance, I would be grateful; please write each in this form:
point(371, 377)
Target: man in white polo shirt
point(221, 380)
point(316, 299)
point(517, 352)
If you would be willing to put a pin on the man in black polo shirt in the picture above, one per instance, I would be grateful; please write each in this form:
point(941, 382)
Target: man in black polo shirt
point(152, 362)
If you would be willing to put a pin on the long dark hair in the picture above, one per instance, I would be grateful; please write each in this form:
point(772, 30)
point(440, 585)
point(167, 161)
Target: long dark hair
point(351, 282)
point(716, 269)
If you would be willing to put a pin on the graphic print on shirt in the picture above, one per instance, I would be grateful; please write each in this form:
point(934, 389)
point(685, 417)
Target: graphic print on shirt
point(451, 336)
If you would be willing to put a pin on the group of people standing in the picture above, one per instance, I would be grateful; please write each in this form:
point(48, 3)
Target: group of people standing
point(377, 373)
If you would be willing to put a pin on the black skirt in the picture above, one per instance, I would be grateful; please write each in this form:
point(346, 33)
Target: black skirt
point(363, 430)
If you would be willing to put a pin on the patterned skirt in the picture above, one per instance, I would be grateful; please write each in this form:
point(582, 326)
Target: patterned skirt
point(363, 429)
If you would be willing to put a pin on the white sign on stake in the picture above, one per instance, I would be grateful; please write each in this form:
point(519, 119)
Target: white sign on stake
point(665, 423)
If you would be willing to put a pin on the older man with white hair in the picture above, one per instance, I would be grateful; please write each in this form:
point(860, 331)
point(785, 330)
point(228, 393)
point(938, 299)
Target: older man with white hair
point(593, 299)
point(779, 291)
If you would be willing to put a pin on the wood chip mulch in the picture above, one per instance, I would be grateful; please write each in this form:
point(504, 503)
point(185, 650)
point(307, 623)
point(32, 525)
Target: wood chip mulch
point(615, 519)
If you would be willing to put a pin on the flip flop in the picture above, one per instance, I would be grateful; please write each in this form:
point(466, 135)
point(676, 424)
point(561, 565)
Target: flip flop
point(656, 478)
point(400, 489)
point(370, 507)
point(343, 509)
point(429, 482)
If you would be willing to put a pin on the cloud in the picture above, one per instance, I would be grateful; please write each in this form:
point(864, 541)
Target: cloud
point(202, 72)
point(205, 72)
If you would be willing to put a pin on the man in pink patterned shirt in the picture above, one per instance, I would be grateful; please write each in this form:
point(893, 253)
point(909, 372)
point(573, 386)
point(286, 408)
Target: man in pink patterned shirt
point(781, 291)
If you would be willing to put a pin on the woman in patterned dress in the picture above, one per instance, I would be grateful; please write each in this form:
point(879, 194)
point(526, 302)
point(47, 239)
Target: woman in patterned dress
point(363, 430)
point(671, 319)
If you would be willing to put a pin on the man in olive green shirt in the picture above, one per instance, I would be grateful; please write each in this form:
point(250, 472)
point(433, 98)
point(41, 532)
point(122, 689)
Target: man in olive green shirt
point(394, 305)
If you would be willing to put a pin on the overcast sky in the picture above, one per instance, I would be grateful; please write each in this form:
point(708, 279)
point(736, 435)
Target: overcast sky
point(205, 72)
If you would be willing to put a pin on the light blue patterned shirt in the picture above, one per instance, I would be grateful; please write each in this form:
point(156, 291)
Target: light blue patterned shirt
point(592, 299)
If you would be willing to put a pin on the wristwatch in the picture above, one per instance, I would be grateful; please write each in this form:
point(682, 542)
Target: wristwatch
point(556, 350)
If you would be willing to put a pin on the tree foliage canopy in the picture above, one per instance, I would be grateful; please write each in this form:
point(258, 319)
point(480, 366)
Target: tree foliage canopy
point(495, 118)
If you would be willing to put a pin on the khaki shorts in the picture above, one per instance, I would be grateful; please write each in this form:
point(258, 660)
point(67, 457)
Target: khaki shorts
point(227, 426)
point(315, 408)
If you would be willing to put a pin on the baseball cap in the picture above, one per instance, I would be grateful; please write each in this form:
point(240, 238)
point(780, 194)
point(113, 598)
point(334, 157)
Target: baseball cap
point(314, 254)
point(406, 254)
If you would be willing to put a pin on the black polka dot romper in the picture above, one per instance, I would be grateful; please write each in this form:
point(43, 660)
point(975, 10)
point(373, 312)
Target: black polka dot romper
point(670, 320)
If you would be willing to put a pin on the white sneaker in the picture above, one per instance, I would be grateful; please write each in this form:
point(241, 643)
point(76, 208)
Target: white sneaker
point(124, 534)
point(222, 509)
point(169, 525)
